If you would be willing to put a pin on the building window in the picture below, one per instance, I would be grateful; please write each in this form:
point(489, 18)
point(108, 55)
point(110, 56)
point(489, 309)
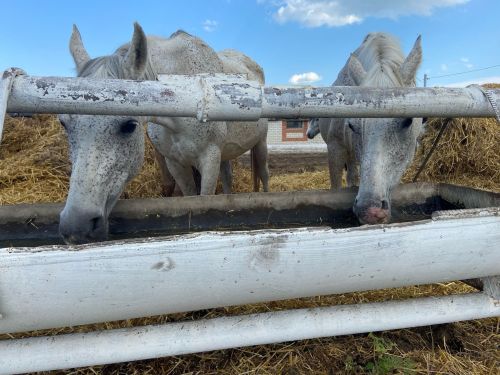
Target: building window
point(294, 130)
point(294, 124)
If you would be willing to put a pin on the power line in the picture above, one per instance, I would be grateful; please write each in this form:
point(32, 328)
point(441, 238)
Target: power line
point(465, 72)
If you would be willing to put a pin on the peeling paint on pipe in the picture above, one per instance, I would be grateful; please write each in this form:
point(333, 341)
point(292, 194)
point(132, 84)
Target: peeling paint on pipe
point(215, 97)
point(6, 82)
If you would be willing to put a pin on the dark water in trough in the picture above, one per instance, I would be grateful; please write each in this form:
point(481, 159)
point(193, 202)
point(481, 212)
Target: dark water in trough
point(132, 220)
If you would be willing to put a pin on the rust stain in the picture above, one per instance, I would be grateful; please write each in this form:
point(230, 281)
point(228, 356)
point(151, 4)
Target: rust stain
point(167, 93)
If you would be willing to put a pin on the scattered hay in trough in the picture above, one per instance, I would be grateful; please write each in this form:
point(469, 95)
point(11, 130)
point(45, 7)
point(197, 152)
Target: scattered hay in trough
point(34, 167)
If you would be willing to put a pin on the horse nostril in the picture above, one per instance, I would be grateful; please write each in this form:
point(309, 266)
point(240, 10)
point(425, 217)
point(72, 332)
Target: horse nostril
point(96, 221)
point(385, 205)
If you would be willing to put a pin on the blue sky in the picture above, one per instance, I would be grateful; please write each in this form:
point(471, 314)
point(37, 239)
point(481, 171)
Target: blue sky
point(286, 37)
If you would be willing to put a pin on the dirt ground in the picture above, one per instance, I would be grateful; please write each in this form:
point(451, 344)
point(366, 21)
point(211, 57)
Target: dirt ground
point(34, 167)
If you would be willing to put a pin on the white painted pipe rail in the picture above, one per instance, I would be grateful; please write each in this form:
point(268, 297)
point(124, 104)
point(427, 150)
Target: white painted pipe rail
point(120, 345)
point(215, 97)
point(47, 287)
point(6, 82)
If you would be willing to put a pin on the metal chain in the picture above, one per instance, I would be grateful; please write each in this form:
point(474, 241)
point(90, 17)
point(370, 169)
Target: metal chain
point(433, 147)
point(491, 100)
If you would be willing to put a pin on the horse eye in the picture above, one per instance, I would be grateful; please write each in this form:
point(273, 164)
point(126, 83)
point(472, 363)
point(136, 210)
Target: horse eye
point(407, 122)
point(128, 127)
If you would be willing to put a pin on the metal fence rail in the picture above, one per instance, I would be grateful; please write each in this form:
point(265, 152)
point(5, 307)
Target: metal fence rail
point(219, 97)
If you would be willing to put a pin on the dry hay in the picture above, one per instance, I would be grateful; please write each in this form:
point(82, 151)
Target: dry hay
point(468, 153)
point(34, 168)
point(34, 163)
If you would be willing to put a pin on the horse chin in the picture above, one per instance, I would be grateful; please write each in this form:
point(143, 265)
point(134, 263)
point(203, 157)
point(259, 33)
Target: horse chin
point(75, 239)
point(79, 225)
point(373, 214)
point(373, 218)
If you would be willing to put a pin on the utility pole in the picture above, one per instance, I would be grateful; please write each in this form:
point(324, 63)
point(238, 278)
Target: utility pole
point(426, 78)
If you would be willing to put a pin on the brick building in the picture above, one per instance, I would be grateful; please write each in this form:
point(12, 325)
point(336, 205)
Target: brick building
point(289, 132)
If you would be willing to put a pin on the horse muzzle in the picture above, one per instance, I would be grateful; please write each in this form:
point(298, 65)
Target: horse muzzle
point(372, 211)
point(78, 226)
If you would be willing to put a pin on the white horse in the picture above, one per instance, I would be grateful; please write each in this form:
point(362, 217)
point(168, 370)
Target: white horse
point(381, 147)
point(312, 128)
point(235, 142)
point(108, 151)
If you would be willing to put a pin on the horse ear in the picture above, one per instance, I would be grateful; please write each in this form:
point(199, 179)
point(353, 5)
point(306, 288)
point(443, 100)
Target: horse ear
point(412, 63)
point(356, 70)
point(137, 55)
point(80, 55)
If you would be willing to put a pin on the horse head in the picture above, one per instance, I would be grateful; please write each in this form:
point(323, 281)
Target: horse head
point(384, 146)
point(106, 151)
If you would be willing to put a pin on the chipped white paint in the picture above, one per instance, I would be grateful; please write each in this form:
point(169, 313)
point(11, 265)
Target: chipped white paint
point(120, 345)
point(6, 82)
point(210, 97)
point(64, 286)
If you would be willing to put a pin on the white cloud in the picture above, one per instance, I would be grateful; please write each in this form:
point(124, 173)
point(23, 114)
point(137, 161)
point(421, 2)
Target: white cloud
point(444, 67)
point(210, 25)
point(477, 81)
point(333, 13)
point(304, 78)
point(466, 62)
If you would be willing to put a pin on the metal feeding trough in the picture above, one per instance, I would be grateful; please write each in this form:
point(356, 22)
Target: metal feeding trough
point(37, 224)
point(249, 248)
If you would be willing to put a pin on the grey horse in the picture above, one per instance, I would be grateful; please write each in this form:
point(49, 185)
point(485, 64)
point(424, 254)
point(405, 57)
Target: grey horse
point(108, 151)
point(161, 137)
point(382, 148)
point(312, 128)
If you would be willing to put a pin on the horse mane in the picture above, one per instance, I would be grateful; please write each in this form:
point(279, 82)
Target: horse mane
point(111, 67)
point(381, 56)
point(180, 32)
